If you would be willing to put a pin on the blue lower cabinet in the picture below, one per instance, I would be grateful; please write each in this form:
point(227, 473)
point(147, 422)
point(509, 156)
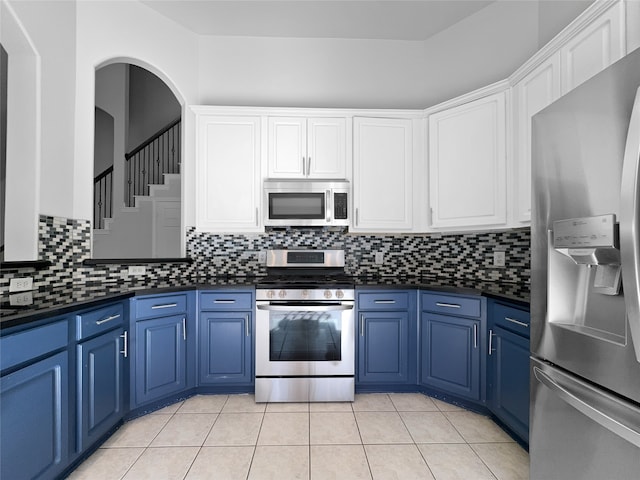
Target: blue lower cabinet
point(100, 391)
point(451, 354)
point(34, 420)
point(225, 348)
point(383, 346)
point(160, 357)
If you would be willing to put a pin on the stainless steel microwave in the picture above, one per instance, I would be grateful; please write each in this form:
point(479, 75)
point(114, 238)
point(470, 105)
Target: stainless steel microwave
point(315, 203)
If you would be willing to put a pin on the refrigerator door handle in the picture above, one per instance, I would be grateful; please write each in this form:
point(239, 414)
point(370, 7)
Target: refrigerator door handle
point(615, 415)
point(630, 225)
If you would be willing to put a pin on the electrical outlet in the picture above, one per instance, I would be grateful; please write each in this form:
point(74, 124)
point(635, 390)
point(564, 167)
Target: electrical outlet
point(379, 258)
point(135, 270)
point(499, 258)
point(21, 299)
point(22, 284)
point(262, 257)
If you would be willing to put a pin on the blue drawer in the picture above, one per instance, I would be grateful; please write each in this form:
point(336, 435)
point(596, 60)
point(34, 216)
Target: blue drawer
point(383, 300)
point(100, 320)
point(452, 305)
point(515, 319)
point(226, 300)
point(160, 306)
point(30, 344)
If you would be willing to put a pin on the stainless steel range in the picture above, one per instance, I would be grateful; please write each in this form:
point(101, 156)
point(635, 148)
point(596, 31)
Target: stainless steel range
point(305, 328)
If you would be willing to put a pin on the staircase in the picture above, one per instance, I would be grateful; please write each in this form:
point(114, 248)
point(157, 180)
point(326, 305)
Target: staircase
point(148, 226)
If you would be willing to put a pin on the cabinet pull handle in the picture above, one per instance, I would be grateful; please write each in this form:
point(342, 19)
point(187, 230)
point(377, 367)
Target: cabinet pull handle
point(125, 342)
point(361, 325)
point(357, 221)
point(491, 334)
point(184, 328)
point(223, 301)
point(257, 217)
point(447, 305)
point(385, 301)
point(166, 305)
point(308, 166)
point(246, 325)
point(475, 335)
point(517, 322)
point(107, 319)
point(304, 173)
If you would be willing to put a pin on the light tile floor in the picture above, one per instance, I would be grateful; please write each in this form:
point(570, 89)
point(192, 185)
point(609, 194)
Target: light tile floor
point(379, 436)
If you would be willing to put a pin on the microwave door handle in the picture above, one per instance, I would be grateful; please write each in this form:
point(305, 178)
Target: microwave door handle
point(630, 225)
point(329, 206)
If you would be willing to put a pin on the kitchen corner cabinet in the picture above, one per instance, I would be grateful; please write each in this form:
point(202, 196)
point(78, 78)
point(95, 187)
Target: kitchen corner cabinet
point(228, 181)
point(451, 329)
point(307, 147)
point(34, 402)
point(101, 351)
point(162, 346)
point(382, 175)
point(467, 164)
point(535, 91)
point(508, 365)
point(226, 337)
point(386, 353)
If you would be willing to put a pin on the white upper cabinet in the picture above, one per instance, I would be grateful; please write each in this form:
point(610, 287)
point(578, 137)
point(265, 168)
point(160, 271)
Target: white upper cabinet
point(535, 91)
point(228, 173)
point(594, 48)
point(382, 175)
point(307, 147)
point(467, 164)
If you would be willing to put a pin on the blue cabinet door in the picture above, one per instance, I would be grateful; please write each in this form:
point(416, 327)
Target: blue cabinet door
point(100, 394)
point(383, 344)
point(451, 354)
point(509, 373)
point(34, 420)
point(160, 355)
point(225, 348)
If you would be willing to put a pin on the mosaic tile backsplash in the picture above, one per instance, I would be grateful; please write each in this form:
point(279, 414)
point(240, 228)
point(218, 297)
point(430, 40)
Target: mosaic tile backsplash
point(67, 242)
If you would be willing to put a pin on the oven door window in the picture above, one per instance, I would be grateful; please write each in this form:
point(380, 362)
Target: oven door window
point(283, 206)
point(305, 336)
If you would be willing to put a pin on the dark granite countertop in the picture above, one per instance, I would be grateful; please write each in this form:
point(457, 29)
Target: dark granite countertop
point(21, 308)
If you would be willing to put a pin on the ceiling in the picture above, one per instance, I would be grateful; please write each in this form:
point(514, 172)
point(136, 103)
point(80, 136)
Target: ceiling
point(356, 19)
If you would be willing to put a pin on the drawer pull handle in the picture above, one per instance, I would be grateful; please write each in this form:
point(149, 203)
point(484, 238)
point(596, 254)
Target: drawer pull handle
point(166, 305)
point(224, 301)
point(447, 305)
point(517, 322)
point(391, 302)
point(108, 319)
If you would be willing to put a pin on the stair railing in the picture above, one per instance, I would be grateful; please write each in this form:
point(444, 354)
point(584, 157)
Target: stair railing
point(102, 197)
point(146, 164)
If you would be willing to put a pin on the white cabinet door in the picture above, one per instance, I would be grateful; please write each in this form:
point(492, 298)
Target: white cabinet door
point(382, 175)
point(287, 147)
point(594, 48)
point(467, 164)
point(307, 147)
point(228, 174)
point(326, 148)
point(534, 92)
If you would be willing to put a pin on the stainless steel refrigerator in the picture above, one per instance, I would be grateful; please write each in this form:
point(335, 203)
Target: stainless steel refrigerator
point(585, 281)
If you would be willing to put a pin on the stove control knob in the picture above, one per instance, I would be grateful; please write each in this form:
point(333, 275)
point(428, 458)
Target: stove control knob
point(282, 294)
point(327, 294)
point(339, 294)
point(305, 293)
point(270, 294)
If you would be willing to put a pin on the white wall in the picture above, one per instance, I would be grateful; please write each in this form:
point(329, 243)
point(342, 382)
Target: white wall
point(306, 72)
point(115, 31)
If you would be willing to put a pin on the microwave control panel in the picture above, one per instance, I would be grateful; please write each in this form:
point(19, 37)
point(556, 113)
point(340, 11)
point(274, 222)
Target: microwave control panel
point(340, 206)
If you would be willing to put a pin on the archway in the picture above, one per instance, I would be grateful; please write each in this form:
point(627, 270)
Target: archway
point(145, 182)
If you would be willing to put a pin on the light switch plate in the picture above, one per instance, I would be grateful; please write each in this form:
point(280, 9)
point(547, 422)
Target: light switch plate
point(22, 284)
point(379, 258)
point(137, 270)
point(499, 258)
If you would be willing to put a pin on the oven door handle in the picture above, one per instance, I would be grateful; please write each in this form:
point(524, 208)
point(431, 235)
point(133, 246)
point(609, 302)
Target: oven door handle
point(307, 308)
